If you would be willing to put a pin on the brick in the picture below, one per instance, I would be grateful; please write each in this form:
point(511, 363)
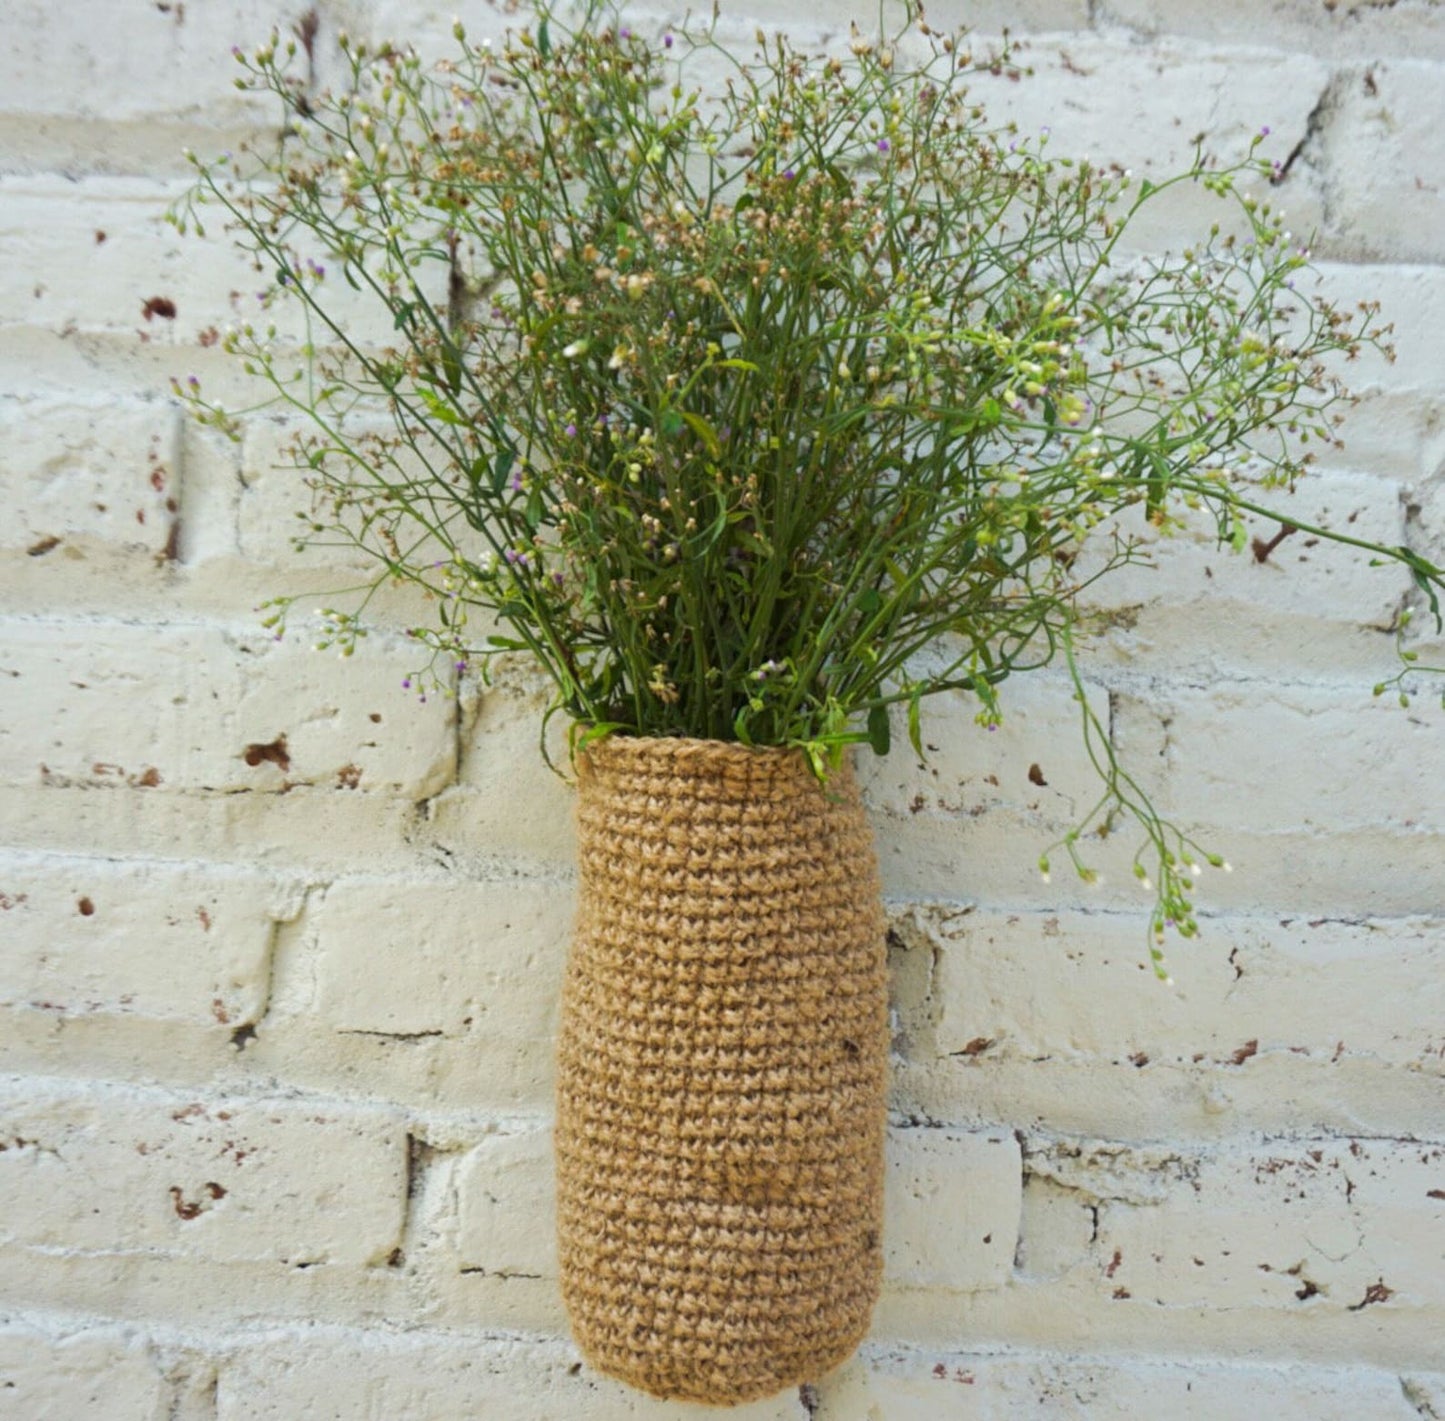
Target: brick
point(1290, 986)
point(111, 1169)
point(308, 830)
point(427, 27)
point(185, 707)
point(1339, 1225)
point(145, 147)
point(1033, 763)
point(1285, 757)
point(1385, 169)
point(1277, 1092)
point(501, 766)
point(96, 254)
point(1305, 576)
point(971, 1180)
point(904, 1384)
point(89, 1374)
point(980, 16)
point(169, 59)
point(506, 1206)
point(161, 941)
point(1412, 302)
point(1143, 108)
point(274, 496)
point(89, 256)
point(988, 17)
point(90, 475)
point(1392, 435)
point(1339, 29)
point(477, 967)
point(327, 1372)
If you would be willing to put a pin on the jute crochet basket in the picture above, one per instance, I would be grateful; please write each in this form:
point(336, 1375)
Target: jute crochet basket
point(721, 1071)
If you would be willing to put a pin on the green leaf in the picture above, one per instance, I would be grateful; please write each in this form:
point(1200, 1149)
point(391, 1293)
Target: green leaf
point(733, 363)
point(581, 736)
point(671, 423)
point(870, 602)
point(452, 365)
point(544, 39)
point(915, 727)
point(1158, 484)
point(704, 431)
point(740, 726)
point(439, 409)
point(1051, 423)
point(880, 730)
point(502, 466)
point(1420, 571)
point(506, 643)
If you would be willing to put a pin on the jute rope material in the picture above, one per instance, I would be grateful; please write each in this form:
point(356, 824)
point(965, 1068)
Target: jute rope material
point(722, 1064)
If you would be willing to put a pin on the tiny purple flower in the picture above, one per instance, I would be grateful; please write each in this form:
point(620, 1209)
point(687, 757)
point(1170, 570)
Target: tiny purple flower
point(667, 41)
point(1264, 132)
point(788, 174)
point(406, 684)
point(571, 431)
point(624, 33)
point(884, 145)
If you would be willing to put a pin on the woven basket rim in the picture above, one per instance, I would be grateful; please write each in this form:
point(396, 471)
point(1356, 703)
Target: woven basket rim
point(698, 759)
point(624, 743)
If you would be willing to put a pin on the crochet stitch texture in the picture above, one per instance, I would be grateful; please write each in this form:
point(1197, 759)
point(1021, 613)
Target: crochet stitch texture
point(721, 1070)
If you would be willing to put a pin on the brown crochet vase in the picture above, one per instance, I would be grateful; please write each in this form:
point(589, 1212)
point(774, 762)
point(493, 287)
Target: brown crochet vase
point(721, 1071)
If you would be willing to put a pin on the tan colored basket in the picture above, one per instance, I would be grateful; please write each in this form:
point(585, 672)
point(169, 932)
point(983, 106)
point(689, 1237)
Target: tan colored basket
point(721, 1071)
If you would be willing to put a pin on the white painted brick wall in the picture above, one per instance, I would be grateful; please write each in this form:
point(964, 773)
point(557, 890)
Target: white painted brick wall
point(275, 1016)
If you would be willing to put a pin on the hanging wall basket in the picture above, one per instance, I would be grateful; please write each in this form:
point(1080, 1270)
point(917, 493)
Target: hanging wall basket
point(721, 1070)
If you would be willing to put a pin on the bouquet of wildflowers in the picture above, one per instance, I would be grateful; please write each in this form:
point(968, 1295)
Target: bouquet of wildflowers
point(760, 399)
